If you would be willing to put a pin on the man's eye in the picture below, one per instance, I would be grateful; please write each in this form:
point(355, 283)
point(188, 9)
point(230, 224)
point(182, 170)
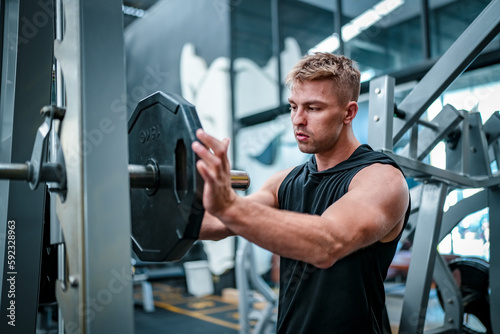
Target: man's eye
point(292, 108)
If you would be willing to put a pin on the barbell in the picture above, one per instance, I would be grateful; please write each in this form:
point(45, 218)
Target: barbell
point(166, 189)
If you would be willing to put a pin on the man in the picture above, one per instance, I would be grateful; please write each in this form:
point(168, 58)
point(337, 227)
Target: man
point(335, 220)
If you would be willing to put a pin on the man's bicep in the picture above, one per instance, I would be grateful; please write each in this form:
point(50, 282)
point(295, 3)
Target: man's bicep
point(384, 187)
point(374, 205)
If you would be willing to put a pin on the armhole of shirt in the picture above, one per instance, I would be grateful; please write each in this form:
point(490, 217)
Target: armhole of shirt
point(398, 238)
point(287, 179)
point(407, 215)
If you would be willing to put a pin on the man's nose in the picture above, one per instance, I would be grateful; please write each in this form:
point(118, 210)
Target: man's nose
point(299, 117)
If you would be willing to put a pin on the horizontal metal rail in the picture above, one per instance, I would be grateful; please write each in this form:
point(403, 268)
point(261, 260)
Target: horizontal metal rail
point(141, 176)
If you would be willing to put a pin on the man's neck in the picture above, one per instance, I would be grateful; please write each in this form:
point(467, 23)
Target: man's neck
point(341, 152)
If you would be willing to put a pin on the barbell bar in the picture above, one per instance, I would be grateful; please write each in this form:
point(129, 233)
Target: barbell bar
point(141, 176)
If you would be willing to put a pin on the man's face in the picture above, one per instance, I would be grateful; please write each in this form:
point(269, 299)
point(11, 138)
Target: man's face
point(317, 118)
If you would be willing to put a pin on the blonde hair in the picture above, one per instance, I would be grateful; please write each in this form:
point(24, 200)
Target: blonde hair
point(322, 65)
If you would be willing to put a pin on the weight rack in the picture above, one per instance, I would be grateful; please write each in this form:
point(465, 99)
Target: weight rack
point(95, 294)
point(93, 203)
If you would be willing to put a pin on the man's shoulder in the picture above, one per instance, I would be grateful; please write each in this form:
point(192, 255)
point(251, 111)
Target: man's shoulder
point(278, 178)
point(366, 155)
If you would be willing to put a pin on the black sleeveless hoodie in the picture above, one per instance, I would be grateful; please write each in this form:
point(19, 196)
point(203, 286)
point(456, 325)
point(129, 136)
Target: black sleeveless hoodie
point(348, 297)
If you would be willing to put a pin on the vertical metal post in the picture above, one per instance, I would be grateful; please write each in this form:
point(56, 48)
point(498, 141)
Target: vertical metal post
point(95, 216)
point(381, 113)
point(413, 150)
point(478, 150)
point(337, 23)
point(494, 219)
point(423, 257)
point(2, 13)
point(242, 284)
point(464, 147)
point(235, 126)
point(10, 18)
point(56, 236)
point(424, 22)
point(60, 90)
point(276, 40)
point(26, 72)
point(495, 147)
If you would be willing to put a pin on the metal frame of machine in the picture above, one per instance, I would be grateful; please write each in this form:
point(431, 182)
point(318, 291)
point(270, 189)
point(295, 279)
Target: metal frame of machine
point(468, 166)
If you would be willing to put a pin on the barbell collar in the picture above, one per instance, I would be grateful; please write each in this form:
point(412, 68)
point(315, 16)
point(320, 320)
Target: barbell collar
point(143, 176)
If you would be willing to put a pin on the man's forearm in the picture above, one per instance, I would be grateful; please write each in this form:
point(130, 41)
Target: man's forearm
point(213, 229)
point(289, 234)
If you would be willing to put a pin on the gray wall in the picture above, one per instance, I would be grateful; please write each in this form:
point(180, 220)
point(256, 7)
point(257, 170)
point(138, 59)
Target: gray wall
point(154, 42)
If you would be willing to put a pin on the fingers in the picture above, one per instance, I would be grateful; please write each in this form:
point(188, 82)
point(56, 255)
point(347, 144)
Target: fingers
point(218, 147)
point(213, 155)
point(213, 166)
point(204, 154)
point(206, 173)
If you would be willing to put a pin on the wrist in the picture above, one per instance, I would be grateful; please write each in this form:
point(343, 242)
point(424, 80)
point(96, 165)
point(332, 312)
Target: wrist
point(230, 210)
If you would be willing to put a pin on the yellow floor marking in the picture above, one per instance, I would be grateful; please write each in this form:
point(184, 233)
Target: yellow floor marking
point(197, 315)
point(201, 304)
point(173, 299)
point(218, 309)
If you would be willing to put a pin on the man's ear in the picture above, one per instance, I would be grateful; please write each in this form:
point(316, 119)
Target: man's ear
point(351, 111)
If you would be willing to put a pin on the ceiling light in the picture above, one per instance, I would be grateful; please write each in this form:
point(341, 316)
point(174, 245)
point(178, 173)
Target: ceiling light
point(133, 11)
point(332, 42)
point(357, 25)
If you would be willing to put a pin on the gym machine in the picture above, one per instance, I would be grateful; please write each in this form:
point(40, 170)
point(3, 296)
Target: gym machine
point(471, 147)
point(253, 289)
point(106, 183)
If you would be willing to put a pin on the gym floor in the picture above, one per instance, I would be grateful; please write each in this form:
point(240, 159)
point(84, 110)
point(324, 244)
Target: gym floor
point(394, 303)
point(176, 311)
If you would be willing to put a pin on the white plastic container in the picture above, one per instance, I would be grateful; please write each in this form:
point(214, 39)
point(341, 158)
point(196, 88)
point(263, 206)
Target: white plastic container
point(198, 278)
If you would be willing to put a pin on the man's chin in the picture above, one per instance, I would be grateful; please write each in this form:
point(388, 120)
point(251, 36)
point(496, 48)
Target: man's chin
point(305, 149)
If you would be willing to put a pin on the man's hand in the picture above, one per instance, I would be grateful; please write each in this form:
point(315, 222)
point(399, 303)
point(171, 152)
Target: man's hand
point(215, 169)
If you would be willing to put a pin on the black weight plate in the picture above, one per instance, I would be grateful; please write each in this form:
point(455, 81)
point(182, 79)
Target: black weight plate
point(472, 278)
point(166, 220)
